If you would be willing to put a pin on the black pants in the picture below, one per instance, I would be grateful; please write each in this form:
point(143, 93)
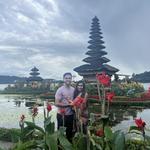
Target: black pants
point(68, 123)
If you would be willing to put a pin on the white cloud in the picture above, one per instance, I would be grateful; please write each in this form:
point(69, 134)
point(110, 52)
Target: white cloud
point(53, 35)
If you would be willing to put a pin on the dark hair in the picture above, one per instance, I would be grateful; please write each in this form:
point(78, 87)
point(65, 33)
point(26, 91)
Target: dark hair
point(67, 73)
point(76, 92)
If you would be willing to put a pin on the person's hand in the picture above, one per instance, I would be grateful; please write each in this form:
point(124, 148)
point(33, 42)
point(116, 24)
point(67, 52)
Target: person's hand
point(70, 102)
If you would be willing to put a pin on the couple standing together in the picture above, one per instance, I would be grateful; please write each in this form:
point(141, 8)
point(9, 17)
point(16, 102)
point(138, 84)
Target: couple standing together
point(64, 98)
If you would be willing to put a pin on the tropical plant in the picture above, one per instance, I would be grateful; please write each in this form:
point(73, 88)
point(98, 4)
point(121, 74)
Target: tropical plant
point(35, 137)
point(99, 134)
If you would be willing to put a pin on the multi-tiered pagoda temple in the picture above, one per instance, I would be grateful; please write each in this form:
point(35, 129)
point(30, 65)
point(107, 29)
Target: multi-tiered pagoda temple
point(34, 75)
point(96, 62)
point(34, 80)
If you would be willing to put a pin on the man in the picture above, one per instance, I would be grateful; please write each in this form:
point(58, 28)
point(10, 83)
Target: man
point(63, 96)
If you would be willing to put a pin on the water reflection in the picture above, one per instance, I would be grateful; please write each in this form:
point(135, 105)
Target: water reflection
point(118, 114)
point(17, 103)
point(29, 101)
point(121, 117)
point(13, 106)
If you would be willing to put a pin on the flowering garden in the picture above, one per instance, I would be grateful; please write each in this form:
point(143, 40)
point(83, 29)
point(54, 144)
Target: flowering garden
point(100, 135)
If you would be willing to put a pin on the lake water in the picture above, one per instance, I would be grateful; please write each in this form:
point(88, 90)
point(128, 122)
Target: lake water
point(13, 106)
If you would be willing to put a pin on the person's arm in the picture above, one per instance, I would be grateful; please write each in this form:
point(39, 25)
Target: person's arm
point(84, 105)
point(86, 97)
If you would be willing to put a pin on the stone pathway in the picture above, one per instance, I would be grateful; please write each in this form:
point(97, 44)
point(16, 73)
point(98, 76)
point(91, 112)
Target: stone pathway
point(5, 145)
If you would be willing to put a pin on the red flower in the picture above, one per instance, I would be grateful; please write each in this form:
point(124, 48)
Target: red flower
point(22, 118)
point(100, 132)
point(109, 96)
point(49, 107)
point(34, 111)
point(78, 101)
point(103, 79)
point(62, 111)
point(140, 123)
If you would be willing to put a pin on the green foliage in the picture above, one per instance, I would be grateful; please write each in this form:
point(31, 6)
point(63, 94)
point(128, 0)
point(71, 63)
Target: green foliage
point(135, 145)
point(35, 137)
point(132, 89)
point(91, 89)
point(28, 145)
point(9, 135)
point(99, 135)
point(107, 141)
point(117, 90)
point(51, 141)
point(108, 133)
point(119, 140)
point(135, 139)
point(24, 90)
point(64, 143)
point(80, 141)
point(49, 126)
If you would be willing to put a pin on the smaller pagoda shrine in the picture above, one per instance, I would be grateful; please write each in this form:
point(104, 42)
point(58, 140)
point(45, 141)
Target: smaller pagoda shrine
point(35, 81)
point(96, 62)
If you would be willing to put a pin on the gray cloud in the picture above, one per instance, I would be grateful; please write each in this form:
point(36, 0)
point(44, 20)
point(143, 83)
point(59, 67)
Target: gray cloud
point(53, 34)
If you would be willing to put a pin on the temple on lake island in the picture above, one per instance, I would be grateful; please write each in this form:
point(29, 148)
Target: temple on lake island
point(32, 84)
point(96, 62)
point(35, 81)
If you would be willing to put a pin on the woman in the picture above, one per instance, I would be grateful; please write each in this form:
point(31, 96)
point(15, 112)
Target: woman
point(81, 111)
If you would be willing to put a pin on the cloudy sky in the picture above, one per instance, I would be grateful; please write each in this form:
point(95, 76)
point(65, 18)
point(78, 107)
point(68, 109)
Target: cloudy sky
point(52, 35)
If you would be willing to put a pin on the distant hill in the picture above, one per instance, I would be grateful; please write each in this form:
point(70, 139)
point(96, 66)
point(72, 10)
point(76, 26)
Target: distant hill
point(142, 77)
point(10, 79)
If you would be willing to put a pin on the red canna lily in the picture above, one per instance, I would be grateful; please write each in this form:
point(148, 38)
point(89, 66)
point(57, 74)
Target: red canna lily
point(49, 107)
point(78, 101)
point(62, 111)
point(100, 132)
point(109, 96)
point(140, 123)
point(103, 79)
point(22, 118)
point(34, 111)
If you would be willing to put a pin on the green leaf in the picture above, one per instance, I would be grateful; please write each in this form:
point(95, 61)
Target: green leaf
point(108, 133)
point(15, 136)
point(107, 147)
point(26, 134)
point(65, 143)
point(49, 126)
point(51, 141)
point(47, 121)
point(63, 140)
point(25, 146)
point(134, 128)
point(32, 125)
point(119, 140)
point(62, 130)
point(98, 147)
point(80, 141)
point(92, 118)
point(99, 140)
point(134, 137)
